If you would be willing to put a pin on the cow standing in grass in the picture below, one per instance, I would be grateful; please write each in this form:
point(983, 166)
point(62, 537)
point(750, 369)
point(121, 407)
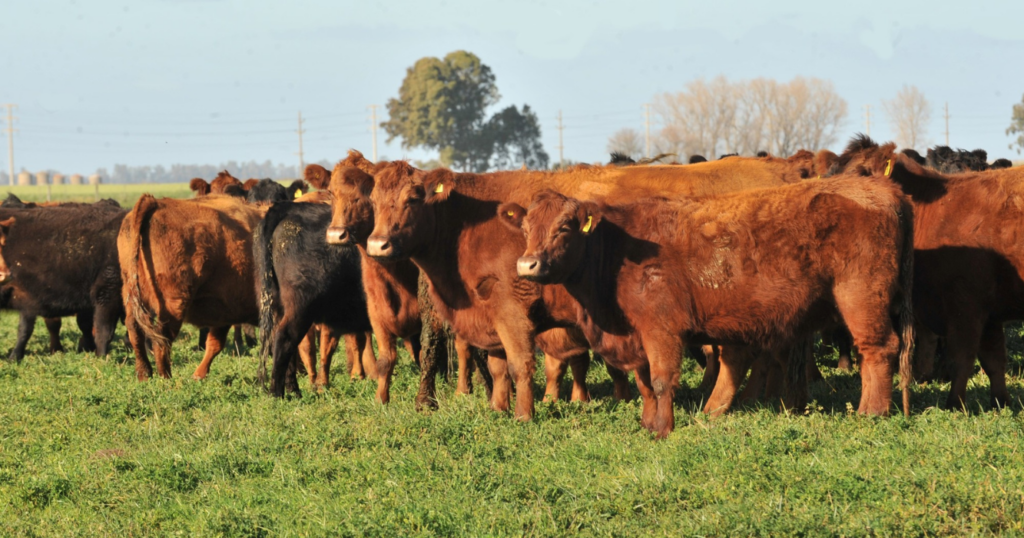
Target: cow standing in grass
point(760, 268)
point(63, 262)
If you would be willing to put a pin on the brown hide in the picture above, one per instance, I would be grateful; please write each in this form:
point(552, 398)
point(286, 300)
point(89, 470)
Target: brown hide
point(186, 261)
point(761, 267)
point(5, 272)
point(969, 235)
point(224, 180)
point(446, 224)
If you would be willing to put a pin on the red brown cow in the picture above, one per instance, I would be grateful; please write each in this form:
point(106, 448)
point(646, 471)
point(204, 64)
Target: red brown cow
point(186, 261)
point(761, 267)
point(392, 289)
point(968, 234)
point(445, 223)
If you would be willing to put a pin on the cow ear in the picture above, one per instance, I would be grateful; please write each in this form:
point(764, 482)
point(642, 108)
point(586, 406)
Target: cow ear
point(589, 215)
point(199, 186)
point(438, 184)
point(357, 178)
point(512, 214)
point(317, 176)
point(5, 227)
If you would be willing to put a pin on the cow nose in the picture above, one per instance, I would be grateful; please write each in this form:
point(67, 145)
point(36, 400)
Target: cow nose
point(337, 235)
point(380, 247)
point(528, 266)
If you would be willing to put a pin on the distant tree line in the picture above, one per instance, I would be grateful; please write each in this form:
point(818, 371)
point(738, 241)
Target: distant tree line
point(182, 173)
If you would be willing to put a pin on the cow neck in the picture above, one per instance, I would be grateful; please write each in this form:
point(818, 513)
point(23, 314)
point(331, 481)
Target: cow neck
point(594, 283)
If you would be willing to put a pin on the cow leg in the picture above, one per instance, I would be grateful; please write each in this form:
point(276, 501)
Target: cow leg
point(287, 335)
point(367, 356)
point(757, 379)
point(305, 350)
point(521, 365)
point(387, 356)
point(962, 344)
point(664, 354)
point(465, 383)
point(483, 371)
point(502, 392)
point(26, 324)
point(328, 345)
point(214, 344)
point(580, 365)
point(842, 341)
point(734, 361)
point(86, 341)
point(433, 354)
point(992, 355)
point(412, 347)
point(876, 341)
point(811, 370)
point(204, 333)
point(105, 322)
point(925, 346)
point(239, 344)
point(711, 356)
point(354, 355)
point(143, 368)
point(162, 350)
point(53, 328)
point(620, 382)
point(643, 382)
point(249, 332)
point(554, 372)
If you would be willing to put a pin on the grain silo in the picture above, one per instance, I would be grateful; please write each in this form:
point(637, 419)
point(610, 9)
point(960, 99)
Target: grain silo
point(94, 179)
point(57, 179)
point(24, 179)
point(76, 179)
point(41, 178)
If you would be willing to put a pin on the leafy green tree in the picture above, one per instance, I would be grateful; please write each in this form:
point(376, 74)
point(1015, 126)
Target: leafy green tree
point(442, 105)
point(516, 139)
point(1017, 126)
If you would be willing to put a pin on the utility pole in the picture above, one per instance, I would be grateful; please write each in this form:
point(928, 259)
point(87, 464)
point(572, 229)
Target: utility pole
point(947, 123)
point(868, 118)
point(373, 129)
point(10, 141)
point(561, 160)
point(302, 163)
point(647, 129)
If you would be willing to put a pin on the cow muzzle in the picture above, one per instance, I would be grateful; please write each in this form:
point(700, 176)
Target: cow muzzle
point(531, 267)
point(5, 275)
point(338, 235)
point(381, 247)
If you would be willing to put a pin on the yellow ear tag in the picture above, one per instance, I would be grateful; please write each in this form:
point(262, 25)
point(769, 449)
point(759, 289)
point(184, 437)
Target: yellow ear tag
point(298, 193)
point(511, 213)
point(586, 227)
point(439, 189)
point(888, 168)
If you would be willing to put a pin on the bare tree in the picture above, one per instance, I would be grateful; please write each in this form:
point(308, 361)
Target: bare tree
point(712, 118)
point(627, 142)
point(909, 113)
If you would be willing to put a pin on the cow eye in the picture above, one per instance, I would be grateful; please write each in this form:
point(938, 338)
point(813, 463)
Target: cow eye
point(565, 229)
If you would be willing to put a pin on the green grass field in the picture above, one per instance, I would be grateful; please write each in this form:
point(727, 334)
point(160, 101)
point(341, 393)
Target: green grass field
point(85, 450)
point(125, 194)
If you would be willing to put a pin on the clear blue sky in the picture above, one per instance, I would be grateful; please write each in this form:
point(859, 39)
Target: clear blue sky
point(202, 82)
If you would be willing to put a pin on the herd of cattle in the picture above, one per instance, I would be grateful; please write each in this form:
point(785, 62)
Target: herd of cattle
point(740, 260)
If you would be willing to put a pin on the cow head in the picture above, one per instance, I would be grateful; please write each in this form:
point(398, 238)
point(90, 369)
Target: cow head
point(5, 226)
point(556, 229)
point(404, 211)
point(351, 208)
point(224, 180)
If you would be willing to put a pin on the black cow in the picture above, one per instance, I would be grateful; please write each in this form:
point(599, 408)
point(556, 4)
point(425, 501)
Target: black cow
point(302, 281)
point(63, 262)
point(268, 190)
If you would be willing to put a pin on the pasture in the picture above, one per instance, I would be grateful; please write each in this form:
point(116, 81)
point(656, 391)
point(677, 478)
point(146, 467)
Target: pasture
point(85, 450)
point(125, 194)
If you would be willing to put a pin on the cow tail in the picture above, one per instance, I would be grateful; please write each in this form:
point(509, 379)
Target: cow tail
point(263, 253)
point(144, 319)
point(905, 306)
